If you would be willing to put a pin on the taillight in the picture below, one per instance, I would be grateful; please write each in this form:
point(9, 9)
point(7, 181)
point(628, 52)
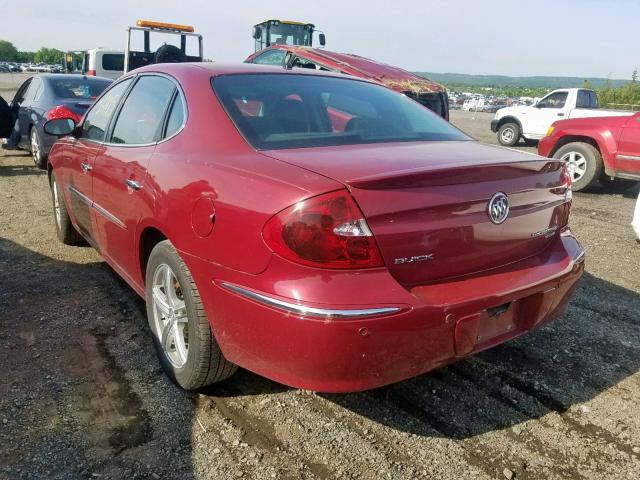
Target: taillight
point(327, 231)
point(91, 73)
point(567, 182)
point(62, 112)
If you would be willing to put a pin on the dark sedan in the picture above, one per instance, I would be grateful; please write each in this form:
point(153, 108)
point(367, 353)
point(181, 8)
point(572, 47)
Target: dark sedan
point(45, 97)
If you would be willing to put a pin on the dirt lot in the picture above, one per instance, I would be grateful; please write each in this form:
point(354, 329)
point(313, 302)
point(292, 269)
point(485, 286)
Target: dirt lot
point(82, 395)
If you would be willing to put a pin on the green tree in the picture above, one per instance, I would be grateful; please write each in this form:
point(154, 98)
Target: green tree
point(25, 57)
point(8, 52)
point(586, 84)
point(48, 55)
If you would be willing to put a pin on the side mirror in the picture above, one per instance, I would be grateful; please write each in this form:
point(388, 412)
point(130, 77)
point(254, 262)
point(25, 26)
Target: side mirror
point(59, 127)
point(322, 39)
point(257, 33)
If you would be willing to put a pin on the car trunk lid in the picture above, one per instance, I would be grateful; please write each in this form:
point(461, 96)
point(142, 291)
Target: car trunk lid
point(427, 203)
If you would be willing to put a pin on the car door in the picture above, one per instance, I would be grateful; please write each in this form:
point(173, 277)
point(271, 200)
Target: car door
point(25, 113)
point(548, 110)
point(16, 103)
point(74, 167)
point(628, 155)
point(119, 174)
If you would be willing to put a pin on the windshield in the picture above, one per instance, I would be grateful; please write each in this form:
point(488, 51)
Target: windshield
point(78, 88)
point(285, 34)
point(279, 111)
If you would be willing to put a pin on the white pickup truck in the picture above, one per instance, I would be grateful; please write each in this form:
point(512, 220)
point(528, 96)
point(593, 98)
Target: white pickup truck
point(532, 123)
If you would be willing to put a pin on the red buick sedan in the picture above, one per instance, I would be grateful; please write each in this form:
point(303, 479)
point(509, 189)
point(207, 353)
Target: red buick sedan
point(314, 228)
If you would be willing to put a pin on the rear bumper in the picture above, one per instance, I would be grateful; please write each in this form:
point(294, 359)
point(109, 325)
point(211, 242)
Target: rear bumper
point(494, 125)
point(429, 327)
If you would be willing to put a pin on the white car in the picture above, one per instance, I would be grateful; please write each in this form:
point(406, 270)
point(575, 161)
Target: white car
point(532, 122)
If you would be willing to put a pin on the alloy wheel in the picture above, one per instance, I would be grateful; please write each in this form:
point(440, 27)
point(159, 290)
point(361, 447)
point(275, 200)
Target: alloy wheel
point(507, 135)
point(35, 146)
point(170, 315)
point(56, 203)
point(577, 164)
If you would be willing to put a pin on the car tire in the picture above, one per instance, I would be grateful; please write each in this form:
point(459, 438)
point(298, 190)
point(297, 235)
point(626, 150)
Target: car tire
point(585, 163)
point(35, 147)
point(192, 359)
point(509, 134)
point(65, 230)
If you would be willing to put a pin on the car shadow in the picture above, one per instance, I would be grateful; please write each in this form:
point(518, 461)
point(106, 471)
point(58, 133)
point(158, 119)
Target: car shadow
point(20, 170)
point(564, 364)
point(81, 390)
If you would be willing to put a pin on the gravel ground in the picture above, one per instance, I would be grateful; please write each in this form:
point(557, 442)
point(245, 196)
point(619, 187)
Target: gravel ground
point(82, 395)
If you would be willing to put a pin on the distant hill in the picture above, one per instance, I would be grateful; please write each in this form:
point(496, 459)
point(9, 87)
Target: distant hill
point(506, 81)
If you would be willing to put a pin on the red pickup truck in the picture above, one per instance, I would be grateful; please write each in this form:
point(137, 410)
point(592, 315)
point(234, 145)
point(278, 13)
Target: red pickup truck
point(597, 149)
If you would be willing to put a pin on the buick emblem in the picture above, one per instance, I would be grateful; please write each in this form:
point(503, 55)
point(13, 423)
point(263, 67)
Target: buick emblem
point(498, 208)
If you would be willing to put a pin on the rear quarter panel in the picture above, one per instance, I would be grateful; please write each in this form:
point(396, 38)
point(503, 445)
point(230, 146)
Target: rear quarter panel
point(208, 161)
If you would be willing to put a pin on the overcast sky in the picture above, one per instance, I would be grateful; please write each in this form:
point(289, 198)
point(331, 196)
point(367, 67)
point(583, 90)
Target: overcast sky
point(595, 38)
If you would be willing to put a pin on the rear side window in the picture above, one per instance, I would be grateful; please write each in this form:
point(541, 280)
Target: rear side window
point(140, 119)
point(176, 117)
point(96, 122)
point(113, 61)
point(34, 88)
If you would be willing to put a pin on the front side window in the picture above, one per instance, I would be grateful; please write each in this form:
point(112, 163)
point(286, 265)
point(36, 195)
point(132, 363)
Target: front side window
point(555, 100)
point(270, 57)
point(275, 111)
point(140, 119)
point(96, 122)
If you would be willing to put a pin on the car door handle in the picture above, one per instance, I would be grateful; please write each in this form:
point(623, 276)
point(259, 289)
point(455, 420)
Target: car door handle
point(561, 114)
point(86, 168)
point(132, 184)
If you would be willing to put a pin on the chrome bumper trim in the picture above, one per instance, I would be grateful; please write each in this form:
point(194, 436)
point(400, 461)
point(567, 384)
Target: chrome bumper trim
point(581, 256)
point(308, 311)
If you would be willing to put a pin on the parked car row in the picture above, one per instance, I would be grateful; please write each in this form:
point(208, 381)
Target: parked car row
point(12, 67)
point(9, 67)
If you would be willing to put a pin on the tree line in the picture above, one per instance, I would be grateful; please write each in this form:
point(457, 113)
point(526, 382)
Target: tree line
point(9, 53)
point(608, 95)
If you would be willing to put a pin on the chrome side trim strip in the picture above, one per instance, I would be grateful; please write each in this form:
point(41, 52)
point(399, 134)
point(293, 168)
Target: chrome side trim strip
point(87, 201)
point(83, 198)
point(305, 310)
point(629, 157)
point(109, 216)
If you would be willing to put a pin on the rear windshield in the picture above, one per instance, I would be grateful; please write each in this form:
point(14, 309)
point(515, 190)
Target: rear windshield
point(78, 88)
point(280, 111)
